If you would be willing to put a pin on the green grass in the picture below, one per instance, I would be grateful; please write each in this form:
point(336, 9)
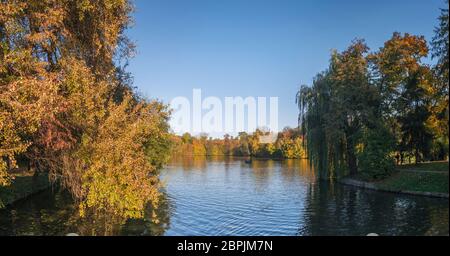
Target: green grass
point(431, 166)
point(416, 181)
point(22, 186)
point(423, 177)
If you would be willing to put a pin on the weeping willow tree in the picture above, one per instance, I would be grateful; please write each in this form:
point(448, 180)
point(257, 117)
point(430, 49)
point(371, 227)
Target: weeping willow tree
point(325, 147)
point(334, 110)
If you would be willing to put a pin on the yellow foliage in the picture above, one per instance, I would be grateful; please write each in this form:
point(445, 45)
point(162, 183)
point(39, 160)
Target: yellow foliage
point(65, 107)
point(119, 177)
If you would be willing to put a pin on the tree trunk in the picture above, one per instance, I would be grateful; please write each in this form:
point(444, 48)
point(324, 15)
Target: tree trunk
point(351, 158)
point(417, 156)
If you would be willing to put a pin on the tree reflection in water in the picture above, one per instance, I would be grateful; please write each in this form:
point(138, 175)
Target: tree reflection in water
point(227, 196)
point(55, 213)
point(333, 209)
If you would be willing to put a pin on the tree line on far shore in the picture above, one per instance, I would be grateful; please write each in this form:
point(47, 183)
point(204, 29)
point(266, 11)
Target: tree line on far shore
point(262, 144)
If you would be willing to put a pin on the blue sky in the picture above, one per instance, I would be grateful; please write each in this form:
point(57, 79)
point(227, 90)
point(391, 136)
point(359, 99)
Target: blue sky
point(258, 47)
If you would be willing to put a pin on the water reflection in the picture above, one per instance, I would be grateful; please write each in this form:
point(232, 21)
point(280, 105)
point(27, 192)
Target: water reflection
point(265, 197)
point(226, 196)
point(335, 209)
point(53, 212)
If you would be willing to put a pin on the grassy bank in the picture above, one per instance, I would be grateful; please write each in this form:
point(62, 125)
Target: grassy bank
point(424, 178)
point(440, 166)
point(24, 185)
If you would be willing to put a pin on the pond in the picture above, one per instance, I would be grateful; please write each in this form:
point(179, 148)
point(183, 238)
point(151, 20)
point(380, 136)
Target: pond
point(227, 196)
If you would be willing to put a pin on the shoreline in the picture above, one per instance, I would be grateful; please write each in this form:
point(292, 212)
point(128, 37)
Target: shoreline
point(370, 185)
point(241, 157)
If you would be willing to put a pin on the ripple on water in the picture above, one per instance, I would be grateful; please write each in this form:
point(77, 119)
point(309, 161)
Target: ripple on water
point(227, 197)
point(275, 199)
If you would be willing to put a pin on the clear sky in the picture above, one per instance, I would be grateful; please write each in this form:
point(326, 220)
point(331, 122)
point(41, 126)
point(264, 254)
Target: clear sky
point(258, 47)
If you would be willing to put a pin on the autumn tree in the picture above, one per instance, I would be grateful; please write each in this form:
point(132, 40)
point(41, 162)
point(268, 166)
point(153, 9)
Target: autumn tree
point(407, 89)
point(67, 105)
point(366, 103)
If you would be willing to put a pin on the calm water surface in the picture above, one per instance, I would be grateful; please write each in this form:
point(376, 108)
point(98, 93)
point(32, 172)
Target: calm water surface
point(229, 197)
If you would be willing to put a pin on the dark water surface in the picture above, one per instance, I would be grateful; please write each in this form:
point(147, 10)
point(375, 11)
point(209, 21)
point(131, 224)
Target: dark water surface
point(229, 197)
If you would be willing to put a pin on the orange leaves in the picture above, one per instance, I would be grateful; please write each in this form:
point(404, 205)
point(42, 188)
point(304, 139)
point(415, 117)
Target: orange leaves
point(24, 103)
point(401, 54)
point(54, 135)
point(61, 108)
point(9, 10)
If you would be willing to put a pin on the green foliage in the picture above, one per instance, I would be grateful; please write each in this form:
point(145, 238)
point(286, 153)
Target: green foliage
point(440, 47)
point(375, 158)
point(335, 109)
point(359, 90)
point(440, 44)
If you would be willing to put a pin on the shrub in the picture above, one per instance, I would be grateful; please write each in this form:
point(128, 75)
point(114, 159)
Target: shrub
point(375, 160)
